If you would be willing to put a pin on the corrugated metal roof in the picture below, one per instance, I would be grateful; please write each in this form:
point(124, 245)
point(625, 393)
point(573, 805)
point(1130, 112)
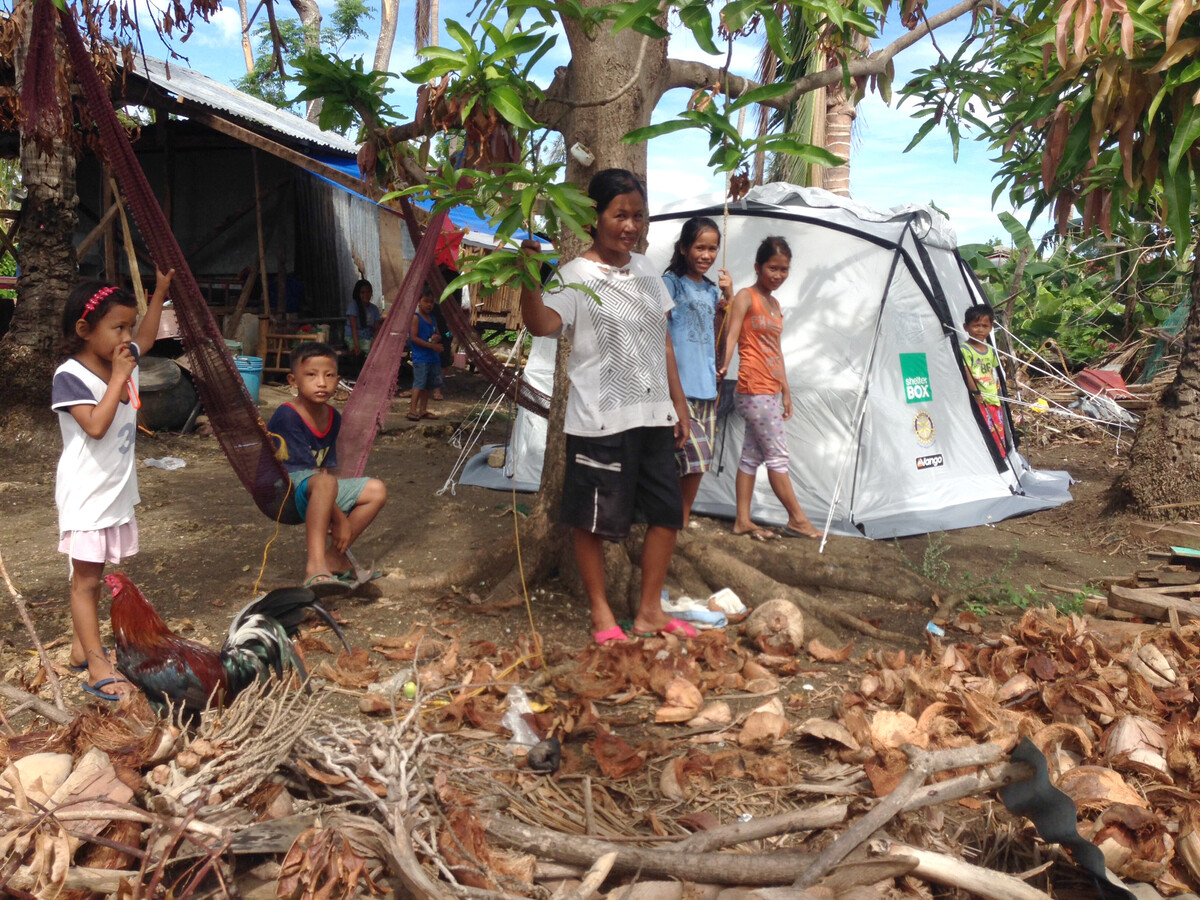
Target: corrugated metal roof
point(258, 114)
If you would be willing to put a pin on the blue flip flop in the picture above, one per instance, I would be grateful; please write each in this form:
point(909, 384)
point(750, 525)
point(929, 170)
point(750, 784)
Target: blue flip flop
point(82, 667)
point(94, 689)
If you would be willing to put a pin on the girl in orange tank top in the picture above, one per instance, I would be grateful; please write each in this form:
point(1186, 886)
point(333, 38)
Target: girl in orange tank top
point(760, 370)
point(763, 398)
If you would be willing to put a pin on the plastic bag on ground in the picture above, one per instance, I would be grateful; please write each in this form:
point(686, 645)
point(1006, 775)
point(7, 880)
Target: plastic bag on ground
point(514, 721)
point(694, 611)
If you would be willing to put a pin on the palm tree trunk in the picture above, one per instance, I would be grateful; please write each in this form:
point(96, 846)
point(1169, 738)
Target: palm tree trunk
point(840, 113)
point(839, 121)
point(389, 11)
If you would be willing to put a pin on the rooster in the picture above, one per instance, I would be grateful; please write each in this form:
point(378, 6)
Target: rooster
point(171, 669)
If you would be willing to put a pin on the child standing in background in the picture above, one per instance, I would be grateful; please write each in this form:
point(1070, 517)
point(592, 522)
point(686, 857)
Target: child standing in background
point(426, 342)
point(95, 396)
point(693, 334)
point(980, 359)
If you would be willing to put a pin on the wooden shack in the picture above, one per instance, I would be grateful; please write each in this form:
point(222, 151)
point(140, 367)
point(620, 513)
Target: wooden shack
point(255, 196)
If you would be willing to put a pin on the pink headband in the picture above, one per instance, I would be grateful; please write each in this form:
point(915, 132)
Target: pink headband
point(95, 300)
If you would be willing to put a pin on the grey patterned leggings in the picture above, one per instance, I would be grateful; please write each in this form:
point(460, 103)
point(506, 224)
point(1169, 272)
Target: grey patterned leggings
point(766, 438)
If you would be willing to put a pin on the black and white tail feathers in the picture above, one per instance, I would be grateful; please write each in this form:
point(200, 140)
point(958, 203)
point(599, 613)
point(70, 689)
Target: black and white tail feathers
point(260, 635)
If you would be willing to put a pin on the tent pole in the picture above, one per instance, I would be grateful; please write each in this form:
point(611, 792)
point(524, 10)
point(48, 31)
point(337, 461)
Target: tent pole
point(860, 406)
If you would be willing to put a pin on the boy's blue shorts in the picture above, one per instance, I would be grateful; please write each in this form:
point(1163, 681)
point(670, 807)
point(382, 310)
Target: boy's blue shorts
point(427, 376)
point(349, 490)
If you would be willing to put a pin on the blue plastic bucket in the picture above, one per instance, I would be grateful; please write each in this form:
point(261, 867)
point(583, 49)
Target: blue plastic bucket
point(250, 368)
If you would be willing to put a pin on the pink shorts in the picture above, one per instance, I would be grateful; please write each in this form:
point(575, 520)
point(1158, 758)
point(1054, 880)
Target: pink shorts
point(108, 545)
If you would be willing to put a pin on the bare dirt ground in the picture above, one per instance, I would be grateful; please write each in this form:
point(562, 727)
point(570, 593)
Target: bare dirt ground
point(203, 542)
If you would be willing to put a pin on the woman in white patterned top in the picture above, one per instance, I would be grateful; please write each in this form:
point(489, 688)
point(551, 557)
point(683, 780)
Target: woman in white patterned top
point(626, 412)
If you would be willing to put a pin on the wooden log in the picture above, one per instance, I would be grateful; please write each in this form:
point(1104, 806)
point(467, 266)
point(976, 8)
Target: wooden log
point(718, 567)
point(947, 870)
point(1174, 578)
point(843, 566)
point(110, 247)
point(9, 246)
point(51, 675)
point(980, 782)
point(777, 868)
point(1167, 534)
point(1152, 604)
point(768, 826)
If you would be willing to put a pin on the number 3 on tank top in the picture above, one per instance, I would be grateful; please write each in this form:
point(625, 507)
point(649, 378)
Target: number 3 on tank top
point(127, 435)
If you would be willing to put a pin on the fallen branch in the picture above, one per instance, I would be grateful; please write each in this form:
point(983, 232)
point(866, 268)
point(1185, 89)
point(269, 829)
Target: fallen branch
point(921, 764)
point(403, 863)
point(594, 878)
point(981, 782)
point(777, 868)
point(41, 707)
point(79, 878)
point(124, 813)
point(19, 602)
point(986, 883)
point(769, 826)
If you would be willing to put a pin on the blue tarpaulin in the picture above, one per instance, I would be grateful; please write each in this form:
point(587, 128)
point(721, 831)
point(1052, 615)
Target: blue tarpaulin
point(461, 216)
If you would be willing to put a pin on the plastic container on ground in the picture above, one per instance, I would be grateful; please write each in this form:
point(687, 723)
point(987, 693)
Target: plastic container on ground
point(250, 368)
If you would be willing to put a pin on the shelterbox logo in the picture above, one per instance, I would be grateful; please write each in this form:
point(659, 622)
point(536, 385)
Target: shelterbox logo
point(915, 369)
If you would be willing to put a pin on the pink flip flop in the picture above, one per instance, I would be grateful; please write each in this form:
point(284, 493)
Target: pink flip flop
point(677, 627)
point(614, 635)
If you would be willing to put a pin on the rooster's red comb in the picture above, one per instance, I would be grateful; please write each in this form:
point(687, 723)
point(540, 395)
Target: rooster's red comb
point(117, 581)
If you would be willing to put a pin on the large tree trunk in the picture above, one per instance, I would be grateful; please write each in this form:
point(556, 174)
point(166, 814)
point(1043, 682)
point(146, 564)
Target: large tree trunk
point(46, 256)
point(613, 85)
point(1163, 480)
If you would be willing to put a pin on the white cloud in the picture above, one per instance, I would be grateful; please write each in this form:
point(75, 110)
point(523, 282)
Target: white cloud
point(228, 22)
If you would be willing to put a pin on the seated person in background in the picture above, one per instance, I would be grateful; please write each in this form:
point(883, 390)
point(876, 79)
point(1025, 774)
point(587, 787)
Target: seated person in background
point(363, 319)
point(333, 509)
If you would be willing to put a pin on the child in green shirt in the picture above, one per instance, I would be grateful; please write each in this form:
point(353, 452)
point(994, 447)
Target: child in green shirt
point(981, 362)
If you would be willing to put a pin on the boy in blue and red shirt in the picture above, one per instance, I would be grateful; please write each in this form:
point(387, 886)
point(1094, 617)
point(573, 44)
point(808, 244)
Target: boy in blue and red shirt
point(332, 508)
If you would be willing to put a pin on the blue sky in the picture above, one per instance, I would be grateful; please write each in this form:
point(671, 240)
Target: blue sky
point(882, 175)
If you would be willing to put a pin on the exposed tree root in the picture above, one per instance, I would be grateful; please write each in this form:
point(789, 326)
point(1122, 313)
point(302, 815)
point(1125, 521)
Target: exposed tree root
point(690, 581)
point(719, 567)
point(471, 572)
point(702, 565)
point(848, 564)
